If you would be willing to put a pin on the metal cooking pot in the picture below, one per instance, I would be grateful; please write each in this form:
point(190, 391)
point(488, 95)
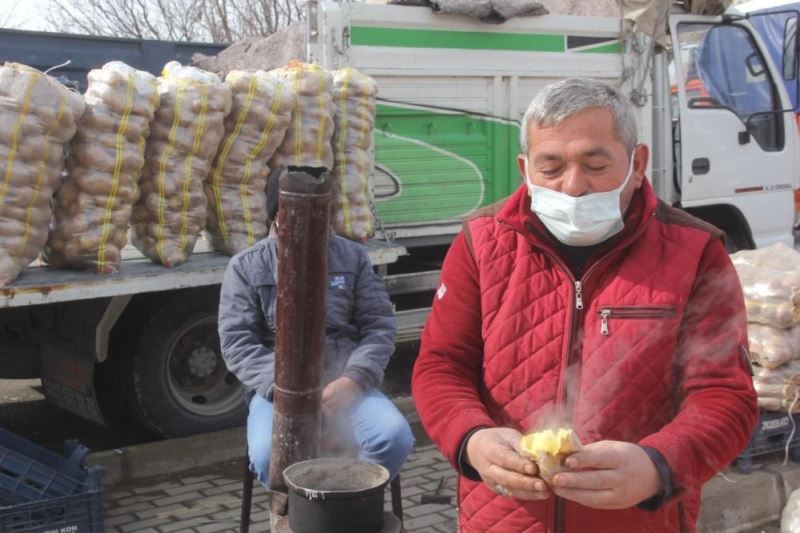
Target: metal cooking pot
point(335, 495)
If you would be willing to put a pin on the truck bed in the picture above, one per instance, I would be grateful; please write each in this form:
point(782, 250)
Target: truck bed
point(40, 284)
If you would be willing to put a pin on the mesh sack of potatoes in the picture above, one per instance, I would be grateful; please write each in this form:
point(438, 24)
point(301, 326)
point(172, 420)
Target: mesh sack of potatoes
point(308, 138)
point(93, 204)
point(38, 116)
point(778, 389)
point(184, 136)
point(770, 279)
point(772, 347)
point(354, 122)
point(236, 185)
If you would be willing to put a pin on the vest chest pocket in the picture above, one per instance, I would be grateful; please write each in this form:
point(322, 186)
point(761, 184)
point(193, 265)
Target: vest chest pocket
point(607, 314)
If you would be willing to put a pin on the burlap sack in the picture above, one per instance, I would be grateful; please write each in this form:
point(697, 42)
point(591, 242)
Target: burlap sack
point(184, 137)
point(93, 204)
point(235, 188)
point(38, 116)
point(354, 124)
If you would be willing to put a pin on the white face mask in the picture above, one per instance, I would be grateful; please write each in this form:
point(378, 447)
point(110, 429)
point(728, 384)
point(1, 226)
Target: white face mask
point(579, 220)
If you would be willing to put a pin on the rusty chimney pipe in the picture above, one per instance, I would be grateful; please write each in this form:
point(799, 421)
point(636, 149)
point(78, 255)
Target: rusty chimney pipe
point(303, 235)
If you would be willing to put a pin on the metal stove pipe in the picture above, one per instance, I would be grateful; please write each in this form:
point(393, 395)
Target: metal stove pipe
point(303, 235)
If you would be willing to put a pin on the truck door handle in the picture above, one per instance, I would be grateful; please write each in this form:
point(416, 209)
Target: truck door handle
point(701, 165)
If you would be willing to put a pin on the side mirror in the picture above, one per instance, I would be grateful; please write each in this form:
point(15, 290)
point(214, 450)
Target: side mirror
point(754, 65)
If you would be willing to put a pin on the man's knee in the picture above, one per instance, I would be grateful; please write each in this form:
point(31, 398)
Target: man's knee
point(395, 436)
point(404, 437)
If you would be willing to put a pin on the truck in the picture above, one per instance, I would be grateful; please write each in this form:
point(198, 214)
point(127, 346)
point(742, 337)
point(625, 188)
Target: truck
point(452, 92)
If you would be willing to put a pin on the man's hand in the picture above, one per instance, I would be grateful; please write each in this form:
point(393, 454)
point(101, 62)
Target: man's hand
point(609, 475)
point(340, 394)
point(494, 453)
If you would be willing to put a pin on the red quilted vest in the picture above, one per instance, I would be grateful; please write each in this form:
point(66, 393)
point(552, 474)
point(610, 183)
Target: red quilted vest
point(598, 353)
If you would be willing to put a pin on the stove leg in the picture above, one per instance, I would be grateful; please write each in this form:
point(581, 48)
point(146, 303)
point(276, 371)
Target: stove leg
point(397, 498)
point(247, 496)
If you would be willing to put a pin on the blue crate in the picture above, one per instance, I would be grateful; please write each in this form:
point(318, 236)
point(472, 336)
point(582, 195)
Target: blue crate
point(770, 436)
point(43, 492)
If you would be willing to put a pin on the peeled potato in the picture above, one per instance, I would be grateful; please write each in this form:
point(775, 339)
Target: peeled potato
point(549, 449)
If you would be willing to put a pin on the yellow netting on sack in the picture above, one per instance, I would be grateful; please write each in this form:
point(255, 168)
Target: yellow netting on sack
point(308, 138)
point(354, 123)
point(235, 188)
point(38, 116)
point(184, 137)
point(93, 204)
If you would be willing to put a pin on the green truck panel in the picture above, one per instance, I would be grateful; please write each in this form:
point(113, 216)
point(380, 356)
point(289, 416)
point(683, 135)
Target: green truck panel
point(439, 166)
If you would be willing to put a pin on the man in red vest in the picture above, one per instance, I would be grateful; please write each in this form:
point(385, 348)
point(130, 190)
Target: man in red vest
point(583, 301)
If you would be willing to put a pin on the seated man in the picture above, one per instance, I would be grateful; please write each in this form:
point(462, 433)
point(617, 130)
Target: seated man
point(359, 340)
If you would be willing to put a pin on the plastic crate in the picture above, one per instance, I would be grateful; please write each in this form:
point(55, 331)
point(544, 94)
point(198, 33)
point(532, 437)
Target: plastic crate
point(43, 492)
point(770, 436)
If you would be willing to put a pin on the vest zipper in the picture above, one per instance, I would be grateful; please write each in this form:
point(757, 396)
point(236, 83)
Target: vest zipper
point(682, 518)
point(565, 401)
point(644, 311)
point(559, 503)
point(578, 295)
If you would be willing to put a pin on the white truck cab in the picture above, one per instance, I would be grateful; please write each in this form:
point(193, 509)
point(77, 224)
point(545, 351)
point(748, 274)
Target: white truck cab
point(735, 136)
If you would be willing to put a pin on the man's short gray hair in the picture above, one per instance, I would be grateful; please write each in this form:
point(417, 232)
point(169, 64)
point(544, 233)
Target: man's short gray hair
point(565, 98)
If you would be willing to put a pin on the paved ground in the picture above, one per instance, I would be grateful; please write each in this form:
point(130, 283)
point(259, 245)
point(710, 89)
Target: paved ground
point(202, 492)
point(194, 485)
point(209, 500)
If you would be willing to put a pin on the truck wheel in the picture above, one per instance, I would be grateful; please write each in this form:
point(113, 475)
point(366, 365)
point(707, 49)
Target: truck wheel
point(175, 382)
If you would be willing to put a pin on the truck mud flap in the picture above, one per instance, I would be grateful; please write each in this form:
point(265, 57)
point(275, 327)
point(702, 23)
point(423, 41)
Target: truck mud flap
point(68, 379)
point(68, 356)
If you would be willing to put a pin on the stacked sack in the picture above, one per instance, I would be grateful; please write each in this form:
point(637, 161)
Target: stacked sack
point(236, 187)
point(770, 280)
point(93, 205)
point(308, 138)
point(354, 123)
point(185, 134)
point(38, 117)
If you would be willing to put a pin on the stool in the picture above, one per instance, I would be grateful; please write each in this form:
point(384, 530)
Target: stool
point(247, 496)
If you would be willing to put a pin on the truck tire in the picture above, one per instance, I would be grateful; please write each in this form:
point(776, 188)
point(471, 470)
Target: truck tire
point(175, 382)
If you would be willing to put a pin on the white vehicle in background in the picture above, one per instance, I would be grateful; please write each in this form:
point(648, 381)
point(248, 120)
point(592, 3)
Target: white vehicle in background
point(452, 93)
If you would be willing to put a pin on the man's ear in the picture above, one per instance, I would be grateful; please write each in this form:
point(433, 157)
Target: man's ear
point(641, 156)
point(521, 166)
